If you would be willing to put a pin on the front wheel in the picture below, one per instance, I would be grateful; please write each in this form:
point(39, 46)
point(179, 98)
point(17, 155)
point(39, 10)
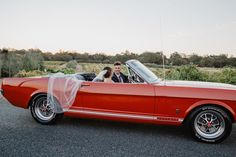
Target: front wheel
point(210, 124)
point(42, 112)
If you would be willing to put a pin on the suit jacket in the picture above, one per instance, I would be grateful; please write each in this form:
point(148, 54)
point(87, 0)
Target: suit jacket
point(123, 76)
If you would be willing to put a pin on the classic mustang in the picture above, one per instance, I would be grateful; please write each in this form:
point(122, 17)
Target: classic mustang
point(207, 109)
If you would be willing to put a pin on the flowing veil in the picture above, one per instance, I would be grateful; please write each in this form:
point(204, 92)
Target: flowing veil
point(100, 76)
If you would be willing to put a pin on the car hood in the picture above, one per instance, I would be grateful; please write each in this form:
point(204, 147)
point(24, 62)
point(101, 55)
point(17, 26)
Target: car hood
point(198, 84)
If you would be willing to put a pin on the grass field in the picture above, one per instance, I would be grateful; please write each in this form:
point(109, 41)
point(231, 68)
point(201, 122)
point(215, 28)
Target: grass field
point(81, 67)
point(97, 67)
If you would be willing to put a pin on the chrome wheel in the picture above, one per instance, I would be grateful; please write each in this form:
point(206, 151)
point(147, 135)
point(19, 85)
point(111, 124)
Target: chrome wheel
point(43, 109)
point(209, 124)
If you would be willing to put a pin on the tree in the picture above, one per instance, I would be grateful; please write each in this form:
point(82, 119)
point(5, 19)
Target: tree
point(220, 61)
point(177, 59)
point(150, 57)
point(124, 56)
point(99, 57)
point(11, 63)
point(33, 60)
point(206, 61)
point(82, 57)
point(195, 59)
point(62, 56)
point(232, 61)
point(48, 56)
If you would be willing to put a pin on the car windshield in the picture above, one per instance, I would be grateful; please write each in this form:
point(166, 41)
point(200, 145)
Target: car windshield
point(143, 71)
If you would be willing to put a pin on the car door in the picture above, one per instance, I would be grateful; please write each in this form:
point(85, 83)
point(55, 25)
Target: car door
point(136, 99)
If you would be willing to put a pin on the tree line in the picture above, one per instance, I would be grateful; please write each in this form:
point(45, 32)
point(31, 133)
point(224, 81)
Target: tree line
point(175, 59)
point(12, 61)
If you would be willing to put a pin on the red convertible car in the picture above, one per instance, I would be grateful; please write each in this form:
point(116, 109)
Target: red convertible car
point(207, 109)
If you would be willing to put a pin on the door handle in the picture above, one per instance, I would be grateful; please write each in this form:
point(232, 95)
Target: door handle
point(84, 85)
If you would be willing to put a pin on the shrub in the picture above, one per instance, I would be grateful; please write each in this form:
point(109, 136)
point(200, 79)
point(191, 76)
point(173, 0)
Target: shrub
point(186, 72)
point(72, 64)
point(67, 71)
point(63, 70)
point(228, 76)
point(24, 73)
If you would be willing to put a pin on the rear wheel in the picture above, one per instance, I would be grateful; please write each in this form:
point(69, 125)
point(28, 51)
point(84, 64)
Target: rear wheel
point(210, 124)
point(42, 111)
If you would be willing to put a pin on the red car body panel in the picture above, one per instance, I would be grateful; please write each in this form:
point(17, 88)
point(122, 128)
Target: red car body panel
point(171, 98)
point(147, 103)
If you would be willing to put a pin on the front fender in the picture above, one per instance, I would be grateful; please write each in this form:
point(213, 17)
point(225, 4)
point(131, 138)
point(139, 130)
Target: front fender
point(211, 102)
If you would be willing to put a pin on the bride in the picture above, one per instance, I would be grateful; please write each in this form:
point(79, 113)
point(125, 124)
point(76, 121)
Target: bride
point(104, 76)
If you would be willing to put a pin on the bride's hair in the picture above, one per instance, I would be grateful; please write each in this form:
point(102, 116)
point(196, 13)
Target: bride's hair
point(108, 73)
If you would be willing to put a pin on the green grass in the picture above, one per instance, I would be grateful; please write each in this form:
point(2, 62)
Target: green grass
point(53, 63)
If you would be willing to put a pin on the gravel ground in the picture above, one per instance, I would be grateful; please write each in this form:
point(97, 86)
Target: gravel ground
point(20, 135)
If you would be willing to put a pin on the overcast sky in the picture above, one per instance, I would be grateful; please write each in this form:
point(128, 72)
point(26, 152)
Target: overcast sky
point(113, 26)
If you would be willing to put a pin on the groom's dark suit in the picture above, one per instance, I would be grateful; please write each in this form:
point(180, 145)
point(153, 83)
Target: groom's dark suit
point(122, 78)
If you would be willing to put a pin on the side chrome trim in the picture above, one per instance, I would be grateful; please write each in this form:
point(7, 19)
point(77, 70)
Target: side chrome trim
point(120, 115)
point(123, 115)
point(169, 119)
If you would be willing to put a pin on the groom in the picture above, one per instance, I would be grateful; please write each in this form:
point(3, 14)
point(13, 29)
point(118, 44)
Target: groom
point(118, 76)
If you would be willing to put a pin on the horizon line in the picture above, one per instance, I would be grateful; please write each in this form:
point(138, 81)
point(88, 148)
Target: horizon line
point(189, 53)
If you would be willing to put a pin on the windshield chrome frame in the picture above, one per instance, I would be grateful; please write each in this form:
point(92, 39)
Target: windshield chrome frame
point(129, 66)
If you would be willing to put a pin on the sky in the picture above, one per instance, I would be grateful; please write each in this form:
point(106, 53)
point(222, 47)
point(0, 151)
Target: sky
point(202, 27)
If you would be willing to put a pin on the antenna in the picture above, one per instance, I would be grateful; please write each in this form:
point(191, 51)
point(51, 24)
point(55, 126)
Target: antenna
point(162, 52)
